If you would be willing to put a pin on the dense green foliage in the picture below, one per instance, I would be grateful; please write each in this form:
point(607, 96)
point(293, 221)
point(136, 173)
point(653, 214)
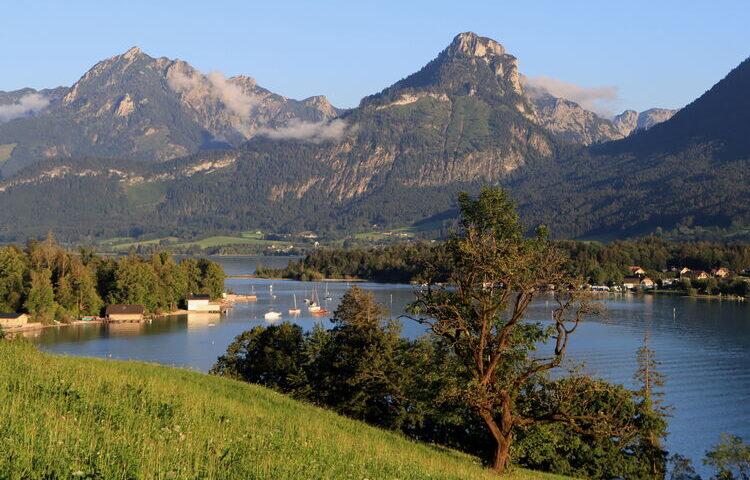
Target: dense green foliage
point(400, 263)
point(595, 263)
point(67, 417)
point(363, 369)
point(52, 284)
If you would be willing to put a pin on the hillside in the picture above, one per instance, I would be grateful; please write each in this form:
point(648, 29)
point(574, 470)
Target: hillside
point(86, 418)
point(691, 170)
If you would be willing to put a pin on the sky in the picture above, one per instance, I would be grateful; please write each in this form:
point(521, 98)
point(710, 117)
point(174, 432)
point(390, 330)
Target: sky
point(634, 54)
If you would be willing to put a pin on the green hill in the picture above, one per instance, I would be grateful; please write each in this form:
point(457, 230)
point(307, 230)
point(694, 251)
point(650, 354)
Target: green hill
point(86, 418)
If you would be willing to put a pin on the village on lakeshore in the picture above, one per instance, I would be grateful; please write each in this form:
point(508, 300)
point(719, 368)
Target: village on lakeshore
point(674, 280)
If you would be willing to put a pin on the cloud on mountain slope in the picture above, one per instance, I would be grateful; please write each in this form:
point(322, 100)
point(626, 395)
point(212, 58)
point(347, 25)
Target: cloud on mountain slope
point(26, 106)
point(308, 131)
point(595, 99)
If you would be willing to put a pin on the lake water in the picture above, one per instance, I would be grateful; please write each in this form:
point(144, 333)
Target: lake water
point(704, 345)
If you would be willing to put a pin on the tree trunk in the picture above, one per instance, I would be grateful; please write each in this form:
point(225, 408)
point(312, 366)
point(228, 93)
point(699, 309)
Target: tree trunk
point(502, 439)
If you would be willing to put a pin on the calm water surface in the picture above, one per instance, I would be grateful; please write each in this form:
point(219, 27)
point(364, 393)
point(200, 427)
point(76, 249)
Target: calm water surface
point(704, 345)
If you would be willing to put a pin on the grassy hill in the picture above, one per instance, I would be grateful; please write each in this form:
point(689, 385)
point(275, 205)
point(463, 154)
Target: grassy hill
point(85, 418)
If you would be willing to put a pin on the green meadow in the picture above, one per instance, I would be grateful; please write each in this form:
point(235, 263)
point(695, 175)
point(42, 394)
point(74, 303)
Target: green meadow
point(65, 417)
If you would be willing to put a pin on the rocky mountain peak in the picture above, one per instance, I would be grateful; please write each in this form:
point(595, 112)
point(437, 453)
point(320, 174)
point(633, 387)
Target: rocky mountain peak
point(471, 44)
point(134, 51)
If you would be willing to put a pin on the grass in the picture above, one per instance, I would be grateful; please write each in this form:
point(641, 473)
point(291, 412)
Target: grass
point(154, 241)
point(215, 241)
point(221, 240)
point(145, 196)
point(65, 417)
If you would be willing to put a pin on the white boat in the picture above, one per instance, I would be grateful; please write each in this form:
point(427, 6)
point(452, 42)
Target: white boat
point(313, 305)
point(295, 310)
point(328, 296)
point(271, 315)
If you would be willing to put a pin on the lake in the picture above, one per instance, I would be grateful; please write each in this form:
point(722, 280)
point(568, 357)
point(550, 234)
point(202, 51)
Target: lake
point(704, 345)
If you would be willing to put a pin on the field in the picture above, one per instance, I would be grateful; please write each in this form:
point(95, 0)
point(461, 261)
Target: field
point(245, 238)
point(102, 419)
point(221, 240)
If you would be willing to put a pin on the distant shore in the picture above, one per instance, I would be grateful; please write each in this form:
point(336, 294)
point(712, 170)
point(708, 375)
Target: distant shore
point(255, 277)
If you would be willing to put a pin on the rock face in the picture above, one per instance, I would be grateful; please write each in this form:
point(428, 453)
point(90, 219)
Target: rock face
point(630, 121)
point(571, 122)
point(461, 121)
point(139, 107)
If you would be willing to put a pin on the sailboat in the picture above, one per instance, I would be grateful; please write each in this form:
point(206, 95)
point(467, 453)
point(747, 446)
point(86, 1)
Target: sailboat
point(313, 306)
point(328, 296)
point(270, 290)
point(295, 310)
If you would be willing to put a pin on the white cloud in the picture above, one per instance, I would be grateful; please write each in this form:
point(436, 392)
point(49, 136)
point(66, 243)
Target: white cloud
point(231, 95)
point(26, 106)
point(308, 131)
point(597, 99)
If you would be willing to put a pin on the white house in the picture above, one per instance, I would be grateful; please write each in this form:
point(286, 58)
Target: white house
point(201, 303)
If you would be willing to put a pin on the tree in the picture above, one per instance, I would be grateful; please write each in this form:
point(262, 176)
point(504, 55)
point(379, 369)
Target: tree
point(40, 302)
point(135, 283)
point(12, 271)
point(362, 375)
point(271, 356)
point(651, 419)
point(682, 468)
point(211, 278)
point(730, 458)
point(497, 272)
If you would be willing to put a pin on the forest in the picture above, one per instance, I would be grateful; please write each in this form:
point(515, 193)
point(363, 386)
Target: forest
point(593, 262)
point(52, 284)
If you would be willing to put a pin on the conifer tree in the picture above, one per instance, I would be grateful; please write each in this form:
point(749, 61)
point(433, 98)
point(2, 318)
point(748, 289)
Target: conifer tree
point(652, 413)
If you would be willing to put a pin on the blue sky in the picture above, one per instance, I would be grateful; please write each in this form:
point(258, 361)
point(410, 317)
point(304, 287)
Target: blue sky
point(657, 53)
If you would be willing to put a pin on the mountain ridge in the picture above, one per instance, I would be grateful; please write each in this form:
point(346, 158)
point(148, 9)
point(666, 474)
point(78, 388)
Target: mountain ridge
point(133, 106)
point(460, 122)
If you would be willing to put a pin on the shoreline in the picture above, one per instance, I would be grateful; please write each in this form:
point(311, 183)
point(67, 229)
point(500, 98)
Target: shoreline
point(35, 326)
point(255, 277)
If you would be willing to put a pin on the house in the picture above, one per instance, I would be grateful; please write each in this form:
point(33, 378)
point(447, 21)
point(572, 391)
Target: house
point(647, 283)
point(13, 319)
point(684, 270)
point(695, 275)
point(634, 270)
point(668, 282)
point(124, 313)
point(631, 282)
point(201, 303)
point(720, 272)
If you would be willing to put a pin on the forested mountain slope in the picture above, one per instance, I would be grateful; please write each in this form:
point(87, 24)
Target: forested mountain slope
point(693, 169)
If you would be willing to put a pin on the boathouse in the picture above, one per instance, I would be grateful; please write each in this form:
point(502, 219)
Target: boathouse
point(124, 313)
point(202, 304)
point(13, 319)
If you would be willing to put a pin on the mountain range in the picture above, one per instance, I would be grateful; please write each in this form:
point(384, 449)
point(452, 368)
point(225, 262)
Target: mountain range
point(133, 106)
point(152, 146)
